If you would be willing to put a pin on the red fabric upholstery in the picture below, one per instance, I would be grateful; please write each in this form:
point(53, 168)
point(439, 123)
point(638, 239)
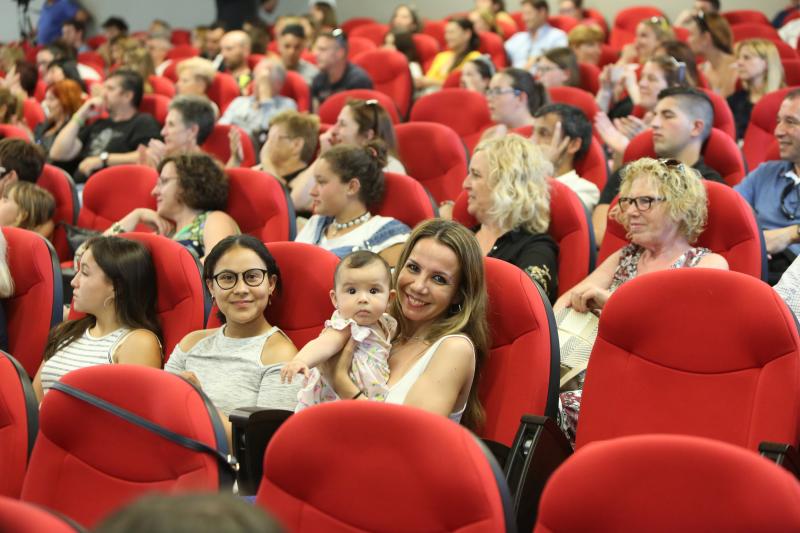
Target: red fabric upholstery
point(257, 203)
point(791, 71)
point(506, 27)
point(624, 28)
point(562, 22)
point(425, 473)
point(761, 129)
point(171, 70)
point(578, 98)
point(182, 51)
point(112, 193)
point(19, 422)
point(723, 117)
point(306, 270)
point(746, 16)
point(296, 88)
point(162, 86)
point(492, 44)
point(720, 153)
point(461, 109)
point(156, 105)
point(690, 484)
point(93, 59)
point(40, 91)
point(594, 16)
point(753, 30)
point(390, 75)
point(405, 199)
point(608, 55)
point(590, 78)
point(435, 28)
point(373, 32)
point(427, 48)
point(516, 376)
point(719, 358)
point(36, 305)
point(74, 472)
point(352, 23)
point(731, 231)
point(593, 166)
point(180, 36)
point(7, 130)
point(453, 80)
point(61, 186)
point(223, 90)
point(441, 175)
point(19, 517)
point(32, 112)
point(357, 46)
point(219, 145)
point(96, 41)
point(254, 59)
point(330, 108)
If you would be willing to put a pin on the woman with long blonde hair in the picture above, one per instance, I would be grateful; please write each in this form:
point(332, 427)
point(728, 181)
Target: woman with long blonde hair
point(760, 71)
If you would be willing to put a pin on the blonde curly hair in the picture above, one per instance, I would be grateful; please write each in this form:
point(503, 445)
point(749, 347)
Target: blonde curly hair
point(680, 184)
point(518, 173)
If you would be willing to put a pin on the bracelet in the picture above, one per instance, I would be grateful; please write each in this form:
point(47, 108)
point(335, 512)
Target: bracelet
point(116, 228)
point(360, 393)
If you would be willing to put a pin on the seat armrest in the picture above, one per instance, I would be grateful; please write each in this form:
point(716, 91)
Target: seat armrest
point(539, 448)
point(781, 454)
point(252, 428)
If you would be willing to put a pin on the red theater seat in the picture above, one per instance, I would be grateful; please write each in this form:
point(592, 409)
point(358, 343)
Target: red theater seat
point(258, 204)
point(390, 75)
point(753, 30)
point(20, 517)
point(330, 108)
point(296, 88)
point(357, 46)
point(435, 28)
point(465, 111)
point(723, 117)
point(405, 199)
point(32, 113)
point(492, 44)
point(427, 48)
point(590, 78)
point(373, 32)
point(162, 86)
point(182, 51)
point(563, 22)
point(180, 36)
point(219, 146)
point(15, 132)
point(624, 28)
point(19, 423)
point(157, 105)
point(576, 97)
point(60, 185)
point(446, 480)
point(352, 23)
point(74, 472)
point(760, 133)
point(113, 192)
point(746, 16)
point(223, 90)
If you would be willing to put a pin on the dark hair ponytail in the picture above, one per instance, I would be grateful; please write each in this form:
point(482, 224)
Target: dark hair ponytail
point(364, 163)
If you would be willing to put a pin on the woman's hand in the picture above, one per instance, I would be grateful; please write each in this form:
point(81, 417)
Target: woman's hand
point(191, 377)
point(237, 151)
point(630, 126)
point(613, 138)
point(142, 215)
point(628, 54)
point(291, 369)
point(336, 371)
point(591, 298)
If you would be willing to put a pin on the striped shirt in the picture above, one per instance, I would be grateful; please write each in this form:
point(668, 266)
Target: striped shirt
point(83, 352)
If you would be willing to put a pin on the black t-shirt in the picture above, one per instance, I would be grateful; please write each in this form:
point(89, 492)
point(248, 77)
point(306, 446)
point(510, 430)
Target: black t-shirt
point(354, 78)
point(612, 185)
point(741, 107)
point(118, 137)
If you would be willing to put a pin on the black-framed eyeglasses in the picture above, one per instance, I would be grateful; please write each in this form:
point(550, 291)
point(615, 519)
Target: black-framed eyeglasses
point(253, 277)
point(791, 215)
point(373, 104)
point(642, 203)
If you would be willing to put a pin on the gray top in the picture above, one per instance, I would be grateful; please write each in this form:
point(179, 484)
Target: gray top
point(232, 374)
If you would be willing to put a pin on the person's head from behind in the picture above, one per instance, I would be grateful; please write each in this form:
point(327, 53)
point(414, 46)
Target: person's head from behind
point(477, 74)
point(235, 47)
point(28, 76)
point(709, 32)
point(114, 27)
point(291, 43)
point(403, 42)
point(349, 179)
point(661, 201)
point(460, 37)
point(241, 276)
point(506, 184)
point(405, 18)
point(441, 289)
point(650, 33)
point(586, 40)
point(189, 122)
point(684, 58)
point(195, 76)
point(759, 65)
point(270, 72)
point(189, 513)
point(192, 181)
point(361, 121)
point(558, 67)
point(123, 90)
point(330, 50)
point(19, 161)
point(787, 128)
point(534, 13)
point(292, 137)
point(62, 69)
point(73, 32)
point(573, 126)
point(513, 96)
point(659, 73)
point(10, 107)
point(362, 287)
point(27, 206)
point(682, 121)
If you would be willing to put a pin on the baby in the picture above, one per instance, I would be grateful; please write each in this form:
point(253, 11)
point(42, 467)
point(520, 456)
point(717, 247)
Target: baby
point(361, 293)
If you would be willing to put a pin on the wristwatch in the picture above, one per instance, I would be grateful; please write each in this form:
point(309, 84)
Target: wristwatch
point(104, 159)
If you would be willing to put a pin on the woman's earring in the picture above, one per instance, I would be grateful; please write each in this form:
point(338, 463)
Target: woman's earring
point(456, 308)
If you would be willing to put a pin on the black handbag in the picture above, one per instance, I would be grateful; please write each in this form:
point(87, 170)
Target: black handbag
point(76, 235)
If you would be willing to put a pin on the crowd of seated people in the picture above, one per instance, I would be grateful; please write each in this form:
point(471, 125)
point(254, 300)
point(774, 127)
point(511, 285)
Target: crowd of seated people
point(266, 88)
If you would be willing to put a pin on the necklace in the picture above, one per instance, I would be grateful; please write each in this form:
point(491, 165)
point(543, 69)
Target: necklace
point(350, 223)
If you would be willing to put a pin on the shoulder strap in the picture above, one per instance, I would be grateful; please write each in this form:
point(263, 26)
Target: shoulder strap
point(227, 462)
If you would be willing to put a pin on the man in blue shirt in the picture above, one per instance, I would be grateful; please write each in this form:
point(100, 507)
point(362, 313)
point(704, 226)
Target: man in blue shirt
point(53, 15)
point(524, 47)
point(773, 190)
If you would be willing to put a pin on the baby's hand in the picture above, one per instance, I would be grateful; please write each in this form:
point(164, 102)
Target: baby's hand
point(292, 368)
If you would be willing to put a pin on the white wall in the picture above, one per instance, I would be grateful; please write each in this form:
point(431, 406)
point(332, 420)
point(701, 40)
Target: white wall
point(189, 13)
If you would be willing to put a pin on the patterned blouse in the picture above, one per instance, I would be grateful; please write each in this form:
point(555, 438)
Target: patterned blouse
point(628, 267)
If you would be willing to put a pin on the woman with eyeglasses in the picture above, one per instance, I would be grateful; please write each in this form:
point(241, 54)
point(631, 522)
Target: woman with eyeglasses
point(238, 364)
point(710, 36)
point(513, 97)
point(663, 208)
point(760, 72)
point(191, 194)
point(558, 67)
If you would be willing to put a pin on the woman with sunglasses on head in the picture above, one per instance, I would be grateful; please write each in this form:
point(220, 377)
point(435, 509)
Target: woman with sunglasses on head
point(710, 36)
point(663, 208)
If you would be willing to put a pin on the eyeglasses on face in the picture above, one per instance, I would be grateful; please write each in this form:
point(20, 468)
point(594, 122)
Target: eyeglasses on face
point(642, 203)
point(253, 277)
point(497, 91)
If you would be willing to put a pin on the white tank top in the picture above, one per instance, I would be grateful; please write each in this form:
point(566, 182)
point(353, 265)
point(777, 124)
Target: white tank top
point(399, 391)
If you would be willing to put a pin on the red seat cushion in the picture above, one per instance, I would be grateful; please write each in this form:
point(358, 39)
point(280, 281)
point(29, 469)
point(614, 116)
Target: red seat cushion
point(390, 75)
point(112, 193)
point(19, 423)
point(257, 203)
point(219, 146)
point(330, 108)
point(405, 199)
point(465, 111)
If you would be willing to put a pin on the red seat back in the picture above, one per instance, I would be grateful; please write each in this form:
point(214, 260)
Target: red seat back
point(695, 362)
point(36, 306)
point(257, 202)
point(593, 166)
point(731, 231)
point(330, 108)
point(427, 48)
point(357, 46)
point(590, 78)
point(219, 146)
point(162, 85)
point(723, 117)
point(405, 199)
point(562, 22)
point(390, 75)
point(93, 59)
point(441, 175)
point(624, 29)
point(791, 71)
point(61, 186)
point(86, 478)
point(182, 51)
point(706, 483)
point(180, 36)
point(156, 105)
point(373, 32)
point(354, 22)
point(753, 30)
point(760, 131)
point(492, 44)
point(465, 111)
point(424, 472)
point(223, 90)
point(32, 112)
point(435, 28)
point(579, 98)
point(296, 88)
point(96, 41)
point(746, 16)
point(15, 132)
point(17, 517)
point(521, 374)
point(19, 423)
point(112, 193)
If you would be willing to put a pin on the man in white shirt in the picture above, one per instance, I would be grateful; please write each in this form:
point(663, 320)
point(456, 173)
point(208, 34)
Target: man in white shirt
point(524, 47)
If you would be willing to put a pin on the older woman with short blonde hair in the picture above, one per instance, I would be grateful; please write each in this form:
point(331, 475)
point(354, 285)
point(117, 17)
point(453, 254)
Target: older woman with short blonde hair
point(195, 76)
point(509, 196)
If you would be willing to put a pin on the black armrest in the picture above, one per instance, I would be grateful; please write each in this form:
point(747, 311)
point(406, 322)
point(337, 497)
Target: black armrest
point(538, 449)
point(783, 455)
point(252, 429)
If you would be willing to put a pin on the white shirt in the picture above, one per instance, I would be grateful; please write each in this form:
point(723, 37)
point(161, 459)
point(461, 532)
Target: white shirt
point(522, 46)
point(585, 189)
point(788, 288)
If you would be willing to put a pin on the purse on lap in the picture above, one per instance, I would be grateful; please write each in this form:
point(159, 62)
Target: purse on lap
point(576, 335)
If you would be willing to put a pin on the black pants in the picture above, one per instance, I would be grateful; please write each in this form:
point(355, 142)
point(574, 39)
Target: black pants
point(778, 264)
